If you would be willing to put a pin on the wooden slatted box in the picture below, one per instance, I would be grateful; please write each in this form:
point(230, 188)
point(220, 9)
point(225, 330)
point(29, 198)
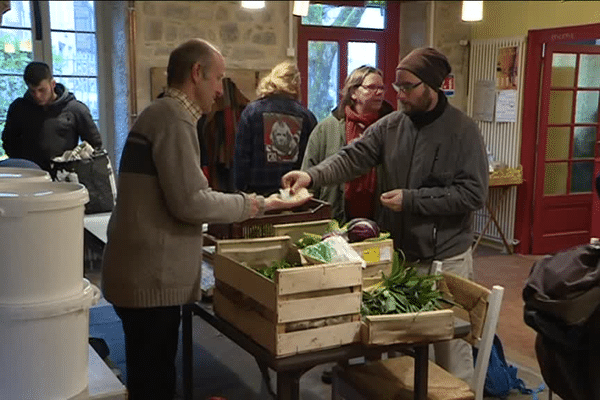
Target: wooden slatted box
point(304, 309)
point(378, 254)
point(262, 226)
point(431, 325)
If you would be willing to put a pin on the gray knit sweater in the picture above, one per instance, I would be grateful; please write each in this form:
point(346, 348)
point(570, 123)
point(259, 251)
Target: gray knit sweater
point(154, 251)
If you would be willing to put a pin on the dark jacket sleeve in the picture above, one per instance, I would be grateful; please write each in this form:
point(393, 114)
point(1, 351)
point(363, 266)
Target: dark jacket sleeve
point(86, 127)
point(11, 135)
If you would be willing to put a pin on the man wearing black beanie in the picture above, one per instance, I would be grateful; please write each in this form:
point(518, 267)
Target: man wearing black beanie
point(435, 177)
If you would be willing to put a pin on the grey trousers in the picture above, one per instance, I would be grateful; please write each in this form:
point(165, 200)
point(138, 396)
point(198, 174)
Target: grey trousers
point(455, 356)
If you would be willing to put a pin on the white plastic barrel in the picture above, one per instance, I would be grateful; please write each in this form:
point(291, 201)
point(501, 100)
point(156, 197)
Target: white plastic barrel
point(41, 241)
point(23, 175)
point(44, 351)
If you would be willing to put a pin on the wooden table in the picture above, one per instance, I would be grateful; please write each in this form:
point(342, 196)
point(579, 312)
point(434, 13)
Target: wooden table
point(289, 369)
point(503, 181)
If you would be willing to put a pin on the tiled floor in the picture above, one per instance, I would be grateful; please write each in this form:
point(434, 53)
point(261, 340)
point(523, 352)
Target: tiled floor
point(221, 367)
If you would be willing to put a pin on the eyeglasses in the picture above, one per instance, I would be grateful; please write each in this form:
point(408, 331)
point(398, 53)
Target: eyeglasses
point(406, 88)
point(373, 88)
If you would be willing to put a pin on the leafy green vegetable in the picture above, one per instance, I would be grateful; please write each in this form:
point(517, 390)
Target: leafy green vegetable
point(403, 291)
point(307, 240)
point(269, 272)
point(319, 251)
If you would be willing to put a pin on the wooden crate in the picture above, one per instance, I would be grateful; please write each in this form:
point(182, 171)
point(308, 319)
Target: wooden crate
point(372, 252)
point(304, 309)
point(408, 328)
point(431, 325)
point(262, 226)
point(372, 273)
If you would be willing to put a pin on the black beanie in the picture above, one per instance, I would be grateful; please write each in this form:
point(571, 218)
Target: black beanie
point(427, 64)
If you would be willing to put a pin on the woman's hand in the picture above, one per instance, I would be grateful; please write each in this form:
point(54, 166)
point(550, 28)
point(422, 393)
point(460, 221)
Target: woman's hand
point(277, 202)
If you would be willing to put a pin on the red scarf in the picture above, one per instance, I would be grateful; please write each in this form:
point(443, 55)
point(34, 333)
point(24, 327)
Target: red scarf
point(360, 192)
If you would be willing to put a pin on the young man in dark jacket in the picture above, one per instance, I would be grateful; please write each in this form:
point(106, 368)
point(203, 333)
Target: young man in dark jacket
point(47, 120)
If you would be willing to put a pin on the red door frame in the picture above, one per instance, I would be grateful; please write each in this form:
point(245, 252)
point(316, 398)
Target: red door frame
point(525, 193)
point(388, 52)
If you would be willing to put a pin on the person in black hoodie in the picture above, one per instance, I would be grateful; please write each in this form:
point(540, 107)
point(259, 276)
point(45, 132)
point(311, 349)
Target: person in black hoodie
point(47, 120)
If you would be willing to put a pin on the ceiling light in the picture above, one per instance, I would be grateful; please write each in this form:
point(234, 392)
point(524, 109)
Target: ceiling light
point(472, 10)
point(253, 4)
point(301, 8)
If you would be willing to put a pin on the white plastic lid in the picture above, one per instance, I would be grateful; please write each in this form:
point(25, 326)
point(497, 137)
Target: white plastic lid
point(18, 198)
point(83, 300)
point(24, 174)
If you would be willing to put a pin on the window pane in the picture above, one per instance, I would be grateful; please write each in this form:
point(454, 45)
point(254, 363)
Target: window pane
point(582, 177)
point(589, 66)
point(323, 77)
point(370, 17)
point(583, 142)
point(72, 16)
point(15, 54)
point(85, 90)
point(15, 51)
point(563, 70)
point(557, 147)
point(587, 107)
point(74, 54)
point(361, 53)
point(561, 104)
point(19, 15)
point(555, 179)
point(12, 87)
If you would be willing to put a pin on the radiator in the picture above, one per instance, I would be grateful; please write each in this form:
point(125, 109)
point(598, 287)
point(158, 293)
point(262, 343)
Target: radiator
point(503, 139)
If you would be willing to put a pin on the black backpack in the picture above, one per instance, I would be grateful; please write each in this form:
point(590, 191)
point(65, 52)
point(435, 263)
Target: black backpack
point(562, 298)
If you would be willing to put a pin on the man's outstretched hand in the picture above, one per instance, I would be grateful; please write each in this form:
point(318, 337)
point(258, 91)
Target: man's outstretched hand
point(295, 180)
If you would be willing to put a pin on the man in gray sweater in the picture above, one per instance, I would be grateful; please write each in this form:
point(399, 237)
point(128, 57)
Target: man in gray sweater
point(435, 175)
point(152, 259)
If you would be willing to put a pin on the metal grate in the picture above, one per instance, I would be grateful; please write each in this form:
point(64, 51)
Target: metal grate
point(503, 139)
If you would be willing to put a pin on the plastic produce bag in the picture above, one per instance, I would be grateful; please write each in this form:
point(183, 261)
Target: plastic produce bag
point(334, 249)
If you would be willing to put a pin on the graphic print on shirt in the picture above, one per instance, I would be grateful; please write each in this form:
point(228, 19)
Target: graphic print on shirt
point(281, 137)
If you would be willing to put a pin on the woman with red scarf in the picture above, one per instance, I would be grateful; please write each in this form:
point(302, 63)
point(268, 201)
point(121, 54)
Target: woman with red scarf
point(361, 104)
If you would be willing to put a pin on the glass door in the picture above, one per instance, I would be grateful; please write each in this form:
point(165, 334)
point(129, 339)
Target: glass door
point(567, 151)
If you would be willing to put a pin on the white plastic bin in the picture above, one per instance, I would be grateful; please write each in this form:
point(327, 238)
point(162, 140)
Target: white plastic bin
point(41, 241)
point(44, 351)
point(24, 175)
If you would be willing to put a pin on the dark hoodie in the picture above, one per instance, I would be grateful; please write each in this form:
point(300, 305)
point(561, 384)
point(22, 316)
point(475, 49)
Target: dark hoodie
point(39, 134)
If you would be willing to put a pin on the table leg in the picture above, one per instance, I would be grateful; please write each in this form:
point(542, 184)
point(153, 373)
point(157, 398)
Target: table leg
point(421, 372)
point(288, 385)
point(264, 370)
point(493, 218)
point(487, 225)
point(187, 352)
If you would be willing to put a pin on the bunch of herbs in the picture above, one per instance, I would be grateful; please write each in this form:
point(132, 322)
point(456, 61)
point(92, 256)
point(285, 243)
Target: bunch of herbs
point(403, 291)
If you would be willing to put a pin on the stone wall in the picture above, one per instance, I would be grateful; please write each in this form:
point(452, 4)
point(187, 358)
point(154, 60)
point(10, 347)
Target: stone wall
point(249, 39)
point(448, 31)
point(259, 39)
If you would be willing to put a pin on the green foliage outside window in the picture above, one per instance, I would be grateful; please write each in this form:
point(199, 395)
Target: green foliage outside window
point(321, 56)
point(12, 85)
